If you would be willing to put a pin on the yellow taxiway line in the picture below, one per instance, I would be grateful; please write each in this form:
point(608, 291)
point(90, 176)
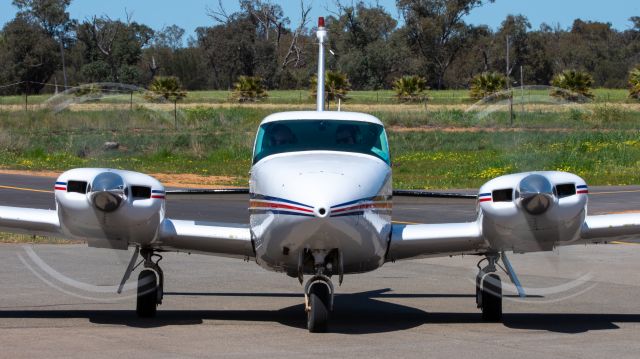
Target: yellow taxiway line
point(25, 189)
point(614, 192)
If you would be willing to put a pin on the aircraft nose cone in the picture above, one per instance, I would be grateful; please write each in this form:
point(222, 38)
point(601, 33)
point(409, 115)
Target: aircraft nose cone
point(107, 191)
point(536, 194)
point(322, 211)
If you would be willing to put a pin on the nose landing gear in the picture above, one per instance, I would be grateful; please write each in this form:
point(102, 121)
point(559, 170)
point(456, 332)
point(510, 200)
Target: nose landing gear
point(318, 301)
point(318, 291)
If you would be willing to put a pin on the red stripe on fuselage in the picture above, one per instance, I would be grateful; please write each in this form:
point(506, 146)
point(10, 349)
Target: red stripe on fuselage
point(484, 199)
point(384, 205)
point(60, 188)
point(255, 204)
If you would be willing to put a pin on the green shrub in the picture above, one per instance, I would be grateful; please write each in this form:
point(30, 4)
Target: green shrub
point(249, 89)
point(634, 83)
point(573, 86)
point(410, 88)
point(487, 84)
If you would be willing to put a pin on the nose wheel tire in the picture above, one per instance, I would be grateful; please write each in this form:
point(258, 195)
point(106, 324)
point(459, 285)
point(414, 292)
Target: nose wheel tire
point(491, 298)
point(318, 311)
point(147, 301)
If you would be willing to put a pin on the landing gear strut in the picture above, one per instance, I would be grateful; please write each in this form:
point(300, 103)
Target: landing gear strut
point(489, 289)
point(150, 285)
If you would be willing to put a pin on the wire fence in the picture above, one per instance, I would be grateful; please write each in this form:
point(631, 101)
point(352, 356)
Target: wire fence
point(23, 95)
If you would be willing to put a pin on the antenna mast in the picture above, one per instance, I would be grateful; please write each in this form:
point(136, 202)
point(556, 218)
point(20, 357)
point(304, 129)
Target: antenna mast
point(322, 36)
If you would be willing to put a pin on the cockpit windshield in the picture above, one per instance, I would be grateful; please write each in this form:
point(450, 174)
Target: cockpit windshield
point(324, 135)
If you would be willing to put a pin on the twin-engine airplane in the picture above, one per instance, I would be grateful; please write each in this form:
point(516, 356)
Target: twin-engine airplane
point(320, 206)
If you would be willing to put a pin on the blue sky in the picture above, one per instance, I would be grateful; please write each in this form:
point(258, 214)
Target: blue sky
point(190, 14)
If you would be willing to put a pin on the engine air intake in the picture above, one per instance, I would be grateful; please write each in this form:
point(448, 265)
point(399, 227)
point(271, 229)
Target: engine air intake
point(77, 187)
point(565, 190)
point(138, 192)
point(503, 195)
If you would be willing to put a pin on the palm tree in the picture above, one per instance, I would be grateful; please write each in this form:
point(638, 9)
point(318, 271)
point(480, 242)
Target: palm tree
point(634, 83)
point(249, 88)
point(487, 84)
point(410, 88)
point(336, 86)
point(572, 85)
point(169, 89)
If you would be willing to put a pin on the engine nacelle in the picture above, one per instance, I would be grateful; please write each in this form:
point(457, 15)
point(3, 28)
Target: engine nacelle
point(532, 211)
point(109, 208)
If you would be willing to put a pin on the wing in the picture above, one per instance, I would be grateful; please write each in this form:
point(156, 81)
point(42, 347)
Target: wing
point(427, 194)
point(610, 227)
point(30, 221)
point(422, 240)
point(225, 239)
point(398, 193)
point(207, 191)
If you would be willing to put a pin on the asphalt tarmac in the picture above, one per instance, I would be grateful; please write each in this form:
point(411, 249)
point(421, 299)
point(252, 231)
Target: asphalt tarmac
point(60, 301)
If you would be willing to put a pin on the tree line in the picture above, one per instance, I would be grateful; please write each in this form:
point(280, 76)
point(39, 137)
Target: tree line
point(44, 46)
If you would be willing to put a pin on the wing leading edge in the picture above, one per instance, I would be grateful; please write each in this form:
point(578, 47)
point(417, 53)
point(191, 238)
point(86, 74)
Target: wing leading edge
point(423, 240)
point(610, 227)
point(225, 239)
point(32, 221)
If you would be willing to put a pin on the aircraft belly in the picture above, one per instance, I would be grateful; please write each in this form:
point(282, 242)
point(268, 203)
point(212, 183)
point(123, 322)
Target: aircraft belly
point(362, 239)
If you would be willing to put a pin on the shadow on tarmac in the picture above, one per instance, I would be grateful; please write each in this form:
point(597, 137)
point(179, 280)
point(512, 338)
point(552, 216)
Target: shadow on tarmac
point(358, 313)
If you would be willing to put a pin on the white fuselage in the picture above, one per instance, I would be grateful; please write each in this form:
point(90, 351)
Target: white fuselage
point(321, 200)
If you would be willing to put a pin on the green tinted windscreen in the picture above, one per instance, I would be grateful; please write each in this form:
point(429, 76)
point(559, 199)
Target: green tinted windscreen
point(324, 135)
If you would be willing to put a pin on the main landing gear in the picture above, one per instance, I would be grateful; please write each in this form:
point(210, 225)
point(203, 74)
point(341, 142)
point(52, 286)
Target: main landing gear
point(150, 285)
point(489, 290)
point(150, 282)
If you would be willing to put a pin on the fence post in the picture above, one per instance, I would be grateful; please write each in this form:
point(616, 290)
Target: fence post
point(131, 101)
point(26, 96)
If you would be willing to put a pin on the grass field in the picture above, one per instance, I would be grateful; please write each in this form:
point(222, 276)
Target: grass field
point(357, 97)
point(438, 149)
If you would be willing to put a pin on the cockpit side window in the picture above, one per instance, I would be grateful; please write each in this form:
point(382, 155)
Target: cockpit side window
point(329, 135)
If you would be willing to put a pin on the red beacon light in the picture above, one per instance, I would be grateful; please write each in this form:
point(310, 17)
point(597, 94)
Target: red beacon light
point(321, 21)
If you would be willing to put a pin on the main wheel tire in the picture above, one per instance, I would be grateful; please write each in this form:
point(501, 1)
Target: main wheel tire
point(491, 298)
point(319, 301)
point(147, 294)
